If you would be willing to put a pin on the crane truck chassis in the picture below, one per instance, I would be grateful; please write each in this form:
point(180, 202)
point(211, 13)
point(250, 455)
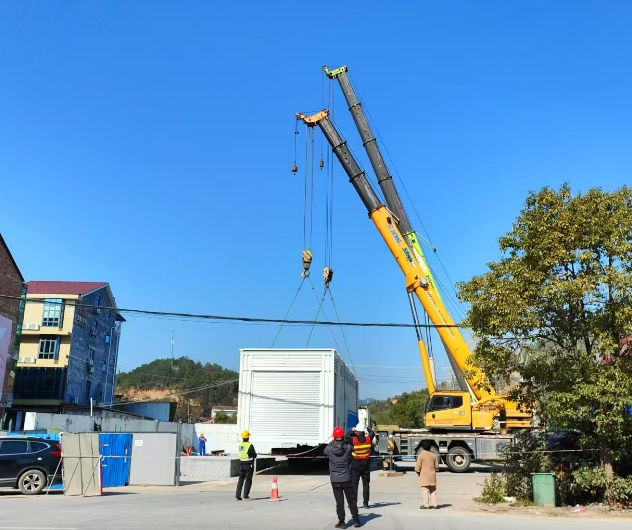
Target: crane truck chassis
point(457, 451)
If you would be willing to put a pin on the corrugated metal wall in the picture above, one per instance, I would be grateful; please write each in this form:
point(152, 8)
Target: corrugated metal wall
point(116, 450)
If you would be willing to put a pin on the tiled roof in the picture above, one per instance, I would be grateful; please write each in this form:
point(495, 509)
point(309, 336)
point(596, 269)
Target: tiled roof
point(71, 288)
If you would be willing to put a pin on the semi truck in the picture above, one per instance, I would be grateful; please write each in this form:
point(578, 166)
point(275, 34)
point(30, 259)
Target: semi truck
point(463, 425)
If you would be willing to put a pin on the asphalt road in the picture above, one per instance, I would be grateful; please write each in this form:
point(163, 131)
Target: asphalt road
point(209, 509)
point(306, 504)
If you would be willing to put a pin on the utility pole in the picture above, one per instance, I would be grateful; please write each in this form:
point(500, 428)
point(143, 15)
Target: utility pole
point(172, 343)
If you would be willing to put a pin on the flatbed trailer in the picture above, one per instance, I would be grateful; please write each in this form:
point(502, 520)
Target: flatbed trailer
point(457, 451)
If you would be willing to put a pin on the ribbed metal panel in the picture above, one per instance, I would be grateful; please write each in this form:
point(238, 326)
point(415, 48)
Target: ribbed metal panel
point(285, 403)
point(290, 397)
point(115, 449)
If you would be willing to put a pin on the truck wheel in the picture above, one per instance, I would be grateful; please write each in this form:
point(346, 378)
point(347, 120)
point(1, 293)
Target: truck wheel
point(32, 482)
point(458, 459)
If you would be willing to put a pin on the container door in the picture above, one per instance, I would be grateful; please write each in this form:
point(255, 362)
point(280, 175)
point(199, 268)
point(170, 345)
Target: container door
point(286, 405)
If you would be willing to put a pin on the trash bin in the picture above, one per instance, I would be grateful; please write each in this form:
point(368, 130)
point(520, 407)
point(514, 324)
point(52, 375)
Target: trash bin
point(543, 489)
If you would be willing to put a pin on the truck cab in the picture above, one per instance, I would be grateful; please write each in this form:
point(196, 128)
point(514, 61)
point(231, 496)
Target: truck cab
point(453, 411)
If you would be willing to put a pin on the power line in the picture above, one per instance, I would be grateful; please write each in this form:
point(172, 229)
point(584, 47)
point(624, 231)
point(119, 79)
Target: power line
point(225, 318)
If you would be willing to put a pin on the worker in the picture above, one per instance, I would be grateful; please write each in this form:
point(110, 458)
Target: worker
point(339, 453)
point(361, 437)
point(247, 457)
point(426, 468)
point(202, 444)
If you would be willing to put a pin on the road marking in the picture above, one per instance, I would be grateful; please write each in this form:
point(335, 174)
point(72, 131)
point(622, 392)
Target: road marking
point(35, 528)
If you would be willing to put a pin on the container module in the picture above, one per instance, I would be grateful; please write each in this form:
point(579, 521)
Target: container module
point(291, 399)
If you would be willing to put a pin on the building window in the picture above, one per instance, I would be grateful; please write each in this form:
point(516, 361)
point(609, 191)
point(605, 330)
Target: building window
point(53, 313)
point(48, 348)
point(104, 367)
point(95, 327)
point(107, 338)
point(97, 300)
point(109, 313)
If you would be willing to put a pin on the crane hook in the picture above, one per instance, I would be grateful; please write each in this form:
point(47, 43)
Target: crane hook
point(307, 262)
point(294, 168)
point(328, 275)
point(321, 163)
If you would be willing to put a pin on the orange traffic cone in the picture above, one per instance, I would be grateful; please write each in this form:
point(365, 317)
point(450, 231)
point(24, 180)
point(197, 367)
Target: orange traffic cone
point(274, 494)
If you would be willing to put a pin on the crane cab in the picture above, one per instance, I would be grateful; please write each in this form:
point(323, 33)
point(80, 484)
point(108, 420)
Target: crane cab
point(453, 411)
point(449, 410)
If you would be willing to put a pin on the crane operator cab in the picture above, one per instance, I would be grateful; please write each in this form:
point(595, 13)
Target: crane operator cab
point(453, 411)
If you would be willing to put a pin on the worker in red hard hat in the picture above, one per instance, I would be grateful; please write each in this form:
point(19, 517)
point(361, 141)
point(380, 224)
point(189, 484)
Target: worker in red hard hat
point(339, 453)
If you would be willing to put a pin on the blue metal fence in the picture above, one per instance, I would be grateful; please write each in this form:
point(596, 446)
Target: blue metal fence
point(115, 450)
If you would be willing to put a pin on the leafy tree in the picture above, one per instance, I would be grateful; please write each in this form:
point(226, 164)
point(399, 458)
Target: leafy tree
point(222, 417)
point(555, 306)
point(410, 408)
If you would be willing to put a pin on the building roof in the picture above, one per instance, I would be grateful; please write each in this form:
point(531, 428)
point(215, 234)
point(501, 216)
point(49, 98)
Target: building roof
point(70, 288)
point(4, 244)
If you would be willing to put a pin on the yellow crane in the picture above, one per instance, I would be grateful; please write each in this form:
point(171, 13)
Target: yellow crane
point(476, 407)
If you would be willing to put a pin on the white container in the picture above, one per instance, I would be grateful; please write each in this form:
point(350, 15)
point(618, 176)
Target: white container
point(292, 397)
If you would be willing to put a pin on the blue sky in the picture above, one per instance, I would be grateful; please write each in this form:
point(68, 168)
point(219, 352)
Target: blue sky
point(149, 144)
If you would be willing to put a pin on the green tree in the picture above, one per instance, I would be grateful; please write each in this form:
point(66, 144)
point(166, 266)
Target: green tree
point(409, 409)
point(222, 417)
point(555, 306)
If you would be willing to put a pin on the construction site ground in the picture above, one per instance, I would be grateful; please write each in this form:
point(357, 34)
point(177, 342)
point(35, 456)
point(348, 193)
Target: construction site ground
point(306, 503)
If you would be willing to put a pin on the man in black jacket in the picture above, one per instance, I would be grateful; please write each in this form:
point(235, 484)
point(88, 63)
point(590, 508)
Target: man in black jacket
point(339, 454)
point(361, 438)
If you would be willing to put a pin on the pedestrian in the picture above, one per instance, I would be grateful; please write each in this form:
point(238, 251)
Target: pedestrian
point(361, 438)
point(339, 453)
point(426, 468)
point(202, 444)
point(247, 457)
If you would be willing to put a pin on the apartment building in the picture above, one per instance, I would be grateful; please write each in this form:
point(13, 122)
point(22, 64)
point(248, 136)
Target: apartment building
point(69, 347)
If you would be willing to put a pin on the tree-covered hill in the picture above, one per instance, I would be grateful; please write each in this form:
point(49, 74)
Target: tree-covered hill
point(201, 386)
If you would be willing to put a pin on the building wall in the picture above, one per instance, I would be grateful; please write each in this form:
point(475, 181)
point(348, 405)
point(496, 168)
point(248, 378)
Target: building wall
point(83, 423)
point(100, 348)
point(11, 284)
point(29, 345)
point(90, 357)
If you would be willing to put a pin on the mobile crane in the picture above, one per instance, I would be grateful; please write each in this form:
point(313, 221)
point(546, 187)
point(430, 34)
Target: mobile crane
point(476, 408)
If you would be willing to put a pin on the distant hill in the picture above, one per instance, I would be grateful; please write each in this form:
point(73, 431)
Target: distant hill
point(197, 387)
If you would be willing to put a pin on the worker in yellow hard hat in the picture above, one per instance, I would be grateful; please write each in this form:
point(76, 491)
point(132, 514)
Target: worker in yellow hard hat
point(247, 457)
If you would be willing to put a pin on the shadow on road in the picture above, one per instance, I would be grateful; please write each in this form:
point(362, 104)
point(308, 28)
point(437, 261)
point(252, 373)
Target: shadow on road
point(365, 518)
point(383, 504)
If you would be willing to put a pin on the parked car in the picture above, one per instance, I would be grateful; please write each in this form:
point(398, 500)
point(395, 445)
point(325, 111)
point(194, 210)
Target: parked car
point(29, 464)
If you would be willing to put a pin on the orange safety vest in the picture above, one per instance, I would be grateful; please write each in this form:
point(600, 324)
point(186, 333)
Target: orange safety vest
point(361, 450)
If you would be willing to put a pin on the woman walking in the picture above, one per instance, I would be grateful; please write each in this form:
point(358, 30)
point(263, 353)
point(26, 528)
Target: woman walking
point(426, 467)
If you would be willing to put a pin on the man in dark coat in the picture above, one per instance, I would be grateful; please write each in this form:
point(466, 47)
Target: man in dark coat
point(339, 454)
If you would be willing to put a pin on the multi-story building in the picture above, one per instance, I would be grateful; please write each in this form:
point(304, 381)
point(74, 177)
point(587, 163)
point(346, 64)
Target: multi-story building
point(69, 347)
point(12, 291)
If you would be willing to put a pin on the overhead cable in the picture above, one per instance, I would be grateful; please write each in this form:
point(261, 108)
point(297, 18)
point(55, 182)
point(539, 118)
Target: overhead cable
point(226, 318)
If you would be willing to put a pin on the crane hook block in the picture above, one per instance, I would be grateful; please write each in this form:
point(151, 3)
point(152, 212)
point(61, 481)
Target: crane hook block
point(328, 275)
point(294, 168)
point(321, 164)
point(307, 262)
